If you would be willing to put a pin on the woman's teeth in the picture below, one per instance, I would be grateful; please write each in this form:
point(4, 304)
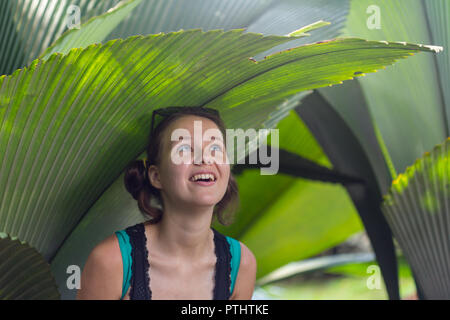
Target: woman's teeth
point(207, 176)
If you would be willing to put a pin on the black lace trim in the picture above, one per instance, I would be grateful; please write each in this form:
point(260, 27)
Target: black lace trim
point(228, 269)
point(223, 268)
point(146, 264)
point(216, 271)
point(139, 279)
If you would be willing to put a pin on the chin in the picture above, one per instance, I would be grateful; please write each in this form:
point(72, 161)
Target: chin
point(205, 202)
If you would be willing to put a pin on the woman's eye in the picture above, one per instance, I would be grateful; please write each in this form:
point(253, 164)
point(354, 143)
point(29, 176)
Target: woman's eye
point(184, 147)
point(218, 147)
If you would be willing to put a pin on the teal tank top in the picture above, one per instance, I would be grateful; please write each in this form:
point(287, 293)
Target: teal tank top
point(125, 249)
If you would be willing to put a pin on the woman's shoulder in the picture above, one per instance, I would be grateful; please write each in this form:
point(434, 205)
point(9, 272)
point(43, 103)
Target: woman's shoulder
point(102, 273)
point(247, 258)
point(107, 251)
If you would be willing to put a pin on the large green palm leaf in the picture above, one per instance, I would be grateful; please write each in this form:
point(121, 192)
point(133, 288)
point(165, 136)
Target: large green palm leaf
point(418, 210)
point(28, 27)
point(31, 26)
point(24, 273)
point(409, 105)
point(407, 102)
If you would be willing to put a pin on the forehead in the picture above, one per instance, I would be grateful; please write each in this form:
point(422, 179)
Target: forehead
point(188, 122)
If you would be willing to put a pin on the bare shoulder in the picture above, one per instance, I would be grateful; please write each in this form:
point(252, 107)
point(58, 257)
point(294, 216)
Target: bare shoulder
point(102, 273)
point(108, 251)
point(248, 260)
point(246, 278)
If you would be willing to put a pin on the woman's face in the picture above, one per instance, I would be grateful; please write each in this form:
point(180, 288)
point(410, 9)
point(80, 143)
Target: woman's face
point(191, 145)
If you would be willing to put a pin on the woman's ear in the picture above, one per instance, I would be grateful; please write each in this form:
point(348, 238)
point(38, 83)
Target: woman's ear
point(153, 176)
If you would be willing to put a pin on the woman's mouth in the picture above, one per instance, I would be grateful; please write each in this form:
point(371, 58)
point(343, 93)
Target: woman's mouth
point(204, 179)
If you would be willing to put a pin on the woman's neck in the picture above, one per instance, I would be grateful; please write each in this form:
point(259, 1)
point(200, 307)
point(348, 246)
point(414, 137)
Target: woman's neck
point(185, 233)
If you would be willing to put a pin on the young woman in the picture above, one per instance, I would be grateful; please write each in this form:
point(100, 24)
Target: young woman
point(175, 253)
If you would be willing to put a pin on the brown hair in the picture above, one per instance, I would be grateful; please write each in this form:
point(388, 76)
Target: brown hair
point(138, 185)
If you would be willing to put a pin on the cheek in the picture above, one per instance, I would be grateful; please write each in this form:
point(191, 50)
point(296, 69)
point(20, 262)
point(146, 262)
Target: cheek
point(174, 174)
point(225, 173)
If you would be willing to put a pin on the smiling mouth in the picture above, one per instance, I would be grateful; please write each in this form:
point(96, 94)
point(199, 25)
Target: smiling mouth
point(203, 179)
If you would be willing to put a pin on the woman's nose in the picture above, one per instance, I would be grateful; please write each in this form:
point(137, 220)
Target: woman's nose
point(202, 157)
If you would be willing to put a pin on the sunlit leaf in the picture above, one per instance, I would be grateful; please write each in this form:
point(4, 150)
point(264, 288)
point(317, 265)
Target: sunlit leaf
point(93, 31)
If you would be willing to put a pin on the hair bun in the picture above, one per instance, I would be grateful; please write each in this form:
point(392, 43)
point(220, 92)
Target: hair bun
point(135, 178)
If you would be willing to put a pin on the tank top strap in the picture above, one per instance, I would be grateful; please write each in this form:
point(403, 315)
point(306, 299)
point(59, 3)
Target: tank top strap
point(235, 250)
point(125, 250)
point(140, 289)
point(223, 268)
